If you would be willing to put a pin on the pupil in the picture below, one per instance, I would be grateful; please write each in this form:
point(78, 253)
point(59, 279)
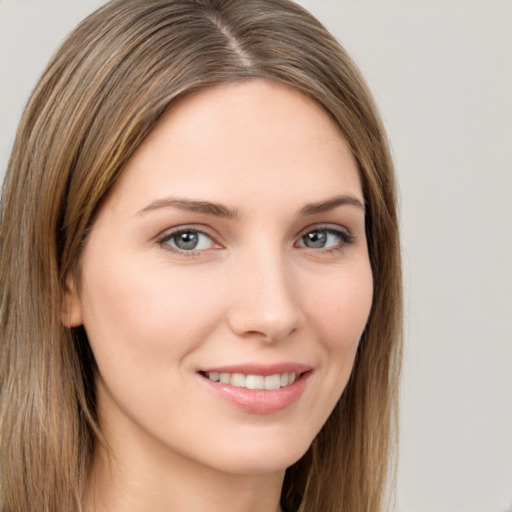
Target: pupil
point(186, 241)
point(316, 239)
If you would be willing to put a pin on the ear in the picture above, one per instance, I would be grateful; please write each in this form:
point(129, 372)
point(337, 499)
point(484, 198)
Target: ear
point(71, 313)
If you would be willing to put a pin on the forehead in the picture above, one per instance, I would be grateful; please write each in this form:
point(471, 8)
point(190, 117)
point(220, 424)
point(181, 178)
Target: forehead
point(240, 141)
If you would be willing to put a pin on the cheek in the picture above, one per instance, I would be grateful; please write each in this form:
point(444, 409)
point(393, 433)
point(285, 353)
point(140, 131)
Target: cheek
point(340, 309)
point(147, 316)
point(337, 311)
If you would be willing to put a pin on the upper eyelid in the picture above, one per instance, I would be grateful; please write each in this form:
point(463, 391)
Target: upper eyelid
point(169, 232)
point(342, 233)
point(324, 226)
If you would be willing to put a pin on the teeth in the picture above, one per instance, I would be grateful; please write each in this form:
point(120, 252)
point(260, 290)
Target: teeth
point(255, 382)
point(215, 376)
point(273, 382)
point(239, 380)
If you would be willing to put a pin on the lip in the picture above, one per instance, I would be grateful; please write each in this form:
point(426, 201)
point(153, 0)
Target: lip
point(259, 401)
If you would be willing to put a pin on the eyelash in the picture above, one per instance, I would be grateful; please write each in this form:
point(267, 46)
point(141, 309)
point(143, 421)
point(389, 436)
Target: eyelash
point(166, 237)
point(345, 239)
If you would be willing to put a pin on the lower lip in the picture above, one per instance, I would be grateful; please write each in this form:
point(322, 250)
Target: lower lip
point(259, 401)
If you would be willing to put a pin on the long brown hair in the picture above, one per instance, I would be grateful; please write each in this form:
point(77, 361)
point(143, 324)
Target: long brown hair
point(100, 96)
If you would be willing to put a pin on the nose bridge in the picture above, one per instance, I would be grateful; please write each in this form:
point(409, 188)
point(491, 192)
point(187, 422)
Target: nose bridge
point(264, 303)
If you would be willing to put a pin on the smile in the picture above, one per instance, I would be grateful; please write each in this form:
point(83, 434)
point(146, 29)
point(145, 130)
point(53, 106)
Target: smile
point(258, 389)
point(240, 380)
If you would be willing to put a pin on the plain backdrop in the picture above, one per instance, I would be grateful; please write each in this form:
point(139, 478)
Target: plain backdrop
point(441, 71)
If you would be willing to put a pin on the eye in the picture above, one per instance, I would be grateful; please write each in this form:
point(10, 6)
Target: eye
point(325, 238)
point(187, 240)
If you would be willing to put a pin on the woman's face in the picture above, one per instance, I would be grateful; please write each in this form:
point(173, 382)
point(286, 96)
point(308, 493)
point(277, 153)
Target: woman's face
point(230, 255)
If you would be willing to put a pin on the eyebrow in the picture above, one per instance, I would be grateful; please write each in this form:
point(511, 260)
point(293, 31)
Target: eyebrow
point(330, 204)
point(220, 210)
point(206, 207)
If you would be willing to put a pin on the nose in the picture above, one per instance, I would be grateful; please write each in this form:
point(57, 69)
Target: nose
point(265, 304)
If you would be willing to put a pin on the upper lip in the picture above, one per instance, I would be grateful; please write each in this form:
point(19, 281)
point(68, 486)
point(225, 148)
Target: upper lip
point(260, 369)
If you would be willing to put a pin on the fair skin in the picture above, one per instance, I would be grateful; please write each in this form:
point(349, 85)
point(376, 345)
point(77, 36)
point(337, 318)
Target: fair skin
point(233, 243)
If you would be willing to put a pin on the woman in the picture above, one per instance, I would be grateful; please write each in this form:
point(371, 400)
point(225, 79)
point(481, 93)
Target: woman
point(200, 282)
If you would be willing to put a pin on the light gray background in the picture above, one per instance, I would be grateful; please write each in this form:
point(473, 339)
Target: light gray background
point(442, 74)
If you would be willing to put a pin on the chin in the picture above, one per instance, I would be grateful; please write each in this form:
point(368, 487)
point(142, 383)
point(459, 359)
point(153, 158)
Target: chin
point(271, 453)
